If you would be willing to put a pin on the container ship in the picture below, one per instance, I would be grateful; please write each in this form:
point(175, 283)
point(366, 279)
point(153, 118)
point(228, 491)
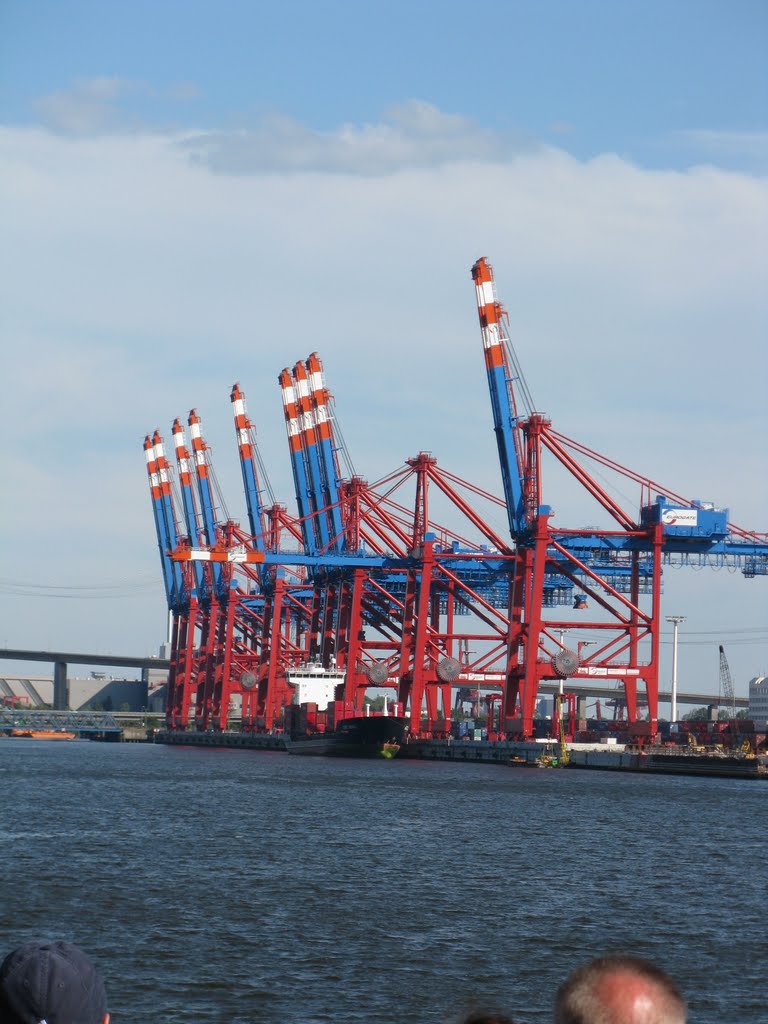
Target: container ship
point(317, 724)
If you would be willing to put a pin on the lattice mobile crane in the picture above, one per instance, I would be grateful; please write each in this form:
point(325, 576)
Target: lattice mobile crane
point(726, 684)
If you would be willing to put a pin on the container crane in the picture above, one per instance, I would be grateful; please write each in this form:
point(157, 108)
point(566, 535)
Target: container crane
point(377, 584)
point(612, 568)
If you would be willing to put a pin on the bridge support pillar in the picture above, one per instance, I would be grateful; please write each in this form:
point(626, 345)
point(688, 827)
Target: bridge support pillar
point(60, 687)
point(581, 707)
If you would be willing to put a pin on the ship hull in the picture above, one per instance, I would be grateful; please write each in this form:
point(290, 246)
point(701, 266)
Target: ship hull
point(700, 764)
point(366, 736)
point(43, 734)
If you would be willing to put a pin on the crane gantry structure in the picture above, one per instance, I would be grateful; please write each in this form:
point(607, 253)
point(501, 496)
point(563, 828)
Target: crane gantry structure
point(364, 579)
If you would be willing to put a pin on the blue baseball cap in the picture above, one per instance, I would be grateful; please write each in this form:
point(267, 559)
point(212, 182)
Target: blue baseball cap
point(50, 983)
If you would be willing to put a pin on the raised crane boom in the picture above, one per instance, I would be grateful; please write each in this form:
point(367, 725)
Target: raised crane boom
point(726, 684)
point(503, 372)
point(163, 541)
point(293, 428)
point(184, 464)
point(311, 454)
point(200, 458)
point(327, 450)
point(168, 519)
point(245, 444)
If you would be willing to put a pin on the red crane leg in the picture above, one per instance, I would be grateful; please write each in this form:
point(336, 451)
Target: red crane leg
point(405, 670)
point(186, 662)
point(651, 672)
point(430, 692)
point(270, 691)
point(516, 604)
point(313, 633)
point(354, 639)
point(630, 696)
point(206, 667)
point(413, 651)
point(531, 666)
point(224, 686)
point(174, 686)
point(446, 696)
point(328, 652)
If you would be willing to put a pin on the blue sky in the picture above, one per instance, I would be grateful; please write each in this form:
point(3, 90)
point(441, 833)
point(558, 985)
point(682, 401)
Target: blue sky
point(198, 193)
point(638, 78)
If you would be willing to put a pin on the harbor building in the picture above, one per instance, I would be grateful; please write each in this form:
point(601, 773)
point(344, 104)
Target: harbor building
point(758, 702)
point(98, 691)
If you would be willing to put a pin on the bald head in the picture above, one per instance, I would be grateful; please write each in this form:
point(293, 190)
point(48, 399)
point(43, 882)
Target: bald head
point(619, 990)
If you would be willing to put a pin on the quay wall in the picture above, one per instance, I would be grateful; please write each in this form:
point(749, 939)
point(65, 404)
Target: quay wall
point(253, 741)
point(504, 752)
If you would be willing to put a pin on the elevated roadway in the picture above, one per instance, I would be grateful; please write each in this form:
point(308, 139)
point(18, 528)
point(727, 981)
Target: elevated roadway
point(61, 659)
point(489, 683)
point(582, 690)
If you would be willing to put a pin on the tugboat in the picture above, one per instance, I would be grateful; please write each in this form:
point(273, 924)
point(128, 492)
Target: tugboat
point(319, 726)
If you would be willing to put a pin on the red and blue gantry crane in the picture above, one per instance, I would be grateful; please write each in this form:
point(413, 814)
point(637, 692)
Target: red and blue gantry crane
point(364, 580)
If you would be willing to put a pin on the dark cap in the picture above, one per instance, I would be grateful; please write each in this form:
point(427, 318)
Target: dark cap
point(50, 982)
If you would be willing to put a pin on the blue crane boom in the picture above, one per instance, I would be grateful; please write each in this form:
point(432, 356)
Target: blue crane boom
point(200, 459)
point(293, 428)
point(168, 533)
point(166, 563)
point(311, 456)
point(503, 399)
point(184, 464)
point(246, 447)
point(331, 477)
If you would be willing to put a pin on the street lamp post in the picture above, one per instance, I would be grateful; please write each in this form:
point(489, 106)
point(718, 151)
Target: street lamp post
point(675, 620)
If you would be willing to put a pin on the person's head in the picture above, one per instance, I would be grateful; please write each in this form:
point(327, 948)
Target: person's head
point(51, 983)
point(619, 990)
point(483, 1017)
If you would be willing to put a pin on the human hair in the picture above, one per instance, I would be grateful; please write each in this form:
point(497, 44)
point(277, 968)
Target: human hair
point(591, 995)
point(486, 1017)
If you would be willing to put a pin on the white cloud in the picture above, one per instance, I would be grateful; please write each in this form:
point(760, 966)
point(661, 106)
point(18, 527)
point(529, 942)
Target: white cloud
point(749, 149)
point(90, 107)
point(136, 284)
point(414, 134)
point(105, 105)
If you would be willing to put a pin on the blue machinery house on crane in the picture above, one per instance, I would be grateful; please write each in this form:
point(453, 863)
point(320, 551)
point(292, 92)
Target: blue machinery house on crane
point(364, 582)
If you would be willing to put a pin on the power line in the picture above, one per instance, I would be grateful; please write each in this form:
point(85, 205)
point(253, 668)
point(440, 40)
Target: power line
point(85, 591)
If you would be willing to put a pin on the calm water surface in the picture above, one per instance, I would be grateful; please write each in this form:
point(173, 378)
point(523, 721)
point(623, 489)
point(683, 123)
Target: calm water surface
point(226, 887)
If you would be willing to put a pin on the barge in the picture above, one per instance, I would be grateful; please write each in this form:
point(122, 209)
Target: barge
point(42, 734)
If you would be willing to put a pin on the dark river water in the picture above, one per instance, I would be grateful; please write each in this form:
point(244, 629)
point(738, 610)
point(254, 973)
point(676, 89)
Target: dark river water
point(245, 886)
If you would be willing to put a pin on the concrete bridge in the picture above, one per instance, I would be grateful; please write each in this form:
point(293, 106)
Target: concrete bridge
point(61, 659)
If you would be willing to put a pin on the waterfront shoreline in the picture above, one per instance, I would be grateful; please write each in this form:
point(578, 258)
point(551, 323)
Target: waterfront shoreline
point(502, 752)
